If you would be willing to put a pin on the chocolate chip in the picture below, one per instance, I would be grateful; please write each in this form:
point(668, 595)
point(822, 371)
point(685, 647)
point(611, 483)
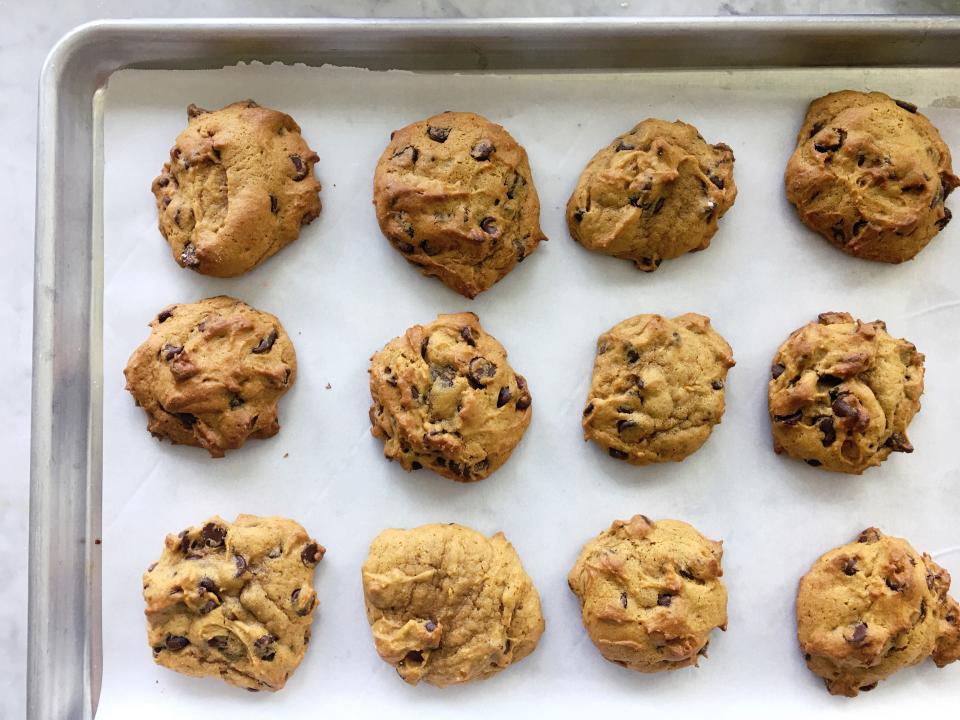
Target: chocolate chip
point(829, 432)
point(423, 347)
point(618, 454)
point(868, 688)
point(304, 610)
point(311, 555)
point(236, 401)
point(777, 370)
point(859, 633)
point(813, 463)
point(923, 611)
point(861, 159)
point(686, 573)
point(817, 127)
point(218, 642)
point(302, 169)
point(838, 233)
point(264, 640)
point(207, 607)
point(588, 409)
point(266, 343)
point(717, 384)
point(430, 626)
point(523, 402)
point(893, 584)
point(908, 106)
point(718, 181)
point(187, 419)
point(478, 467)
point(414, 657)
point(438, 134)
point(869, 536)
point(214, 535)
point(658, 206)
point(479, 372)
point(241, 565)
point(467, 334)
point(409, 153)
point(176, 642)
point(482, 150)
point(791, 419)
point(664, 599)
point(841, 137)
point(899, 443)
point(625, 425)
point(207, 585)
point(624, 146)
point(578, 214)
point(405, 248)
point(184, 541)
point(503, 397)
point(850, 566)
point(489, 225)
point(188, 258)
point(165, 315)
point(829, 380)
point(169, 352)
point(623, 600)
point(842, 408)
point(195, 111)
point(632, 355)
point(942, 222)
point(274, 204)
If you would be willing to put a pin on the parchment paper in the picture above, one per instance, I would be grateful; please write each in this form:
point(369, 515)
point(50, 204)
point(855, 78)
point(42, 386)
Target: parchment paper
point(342, 293)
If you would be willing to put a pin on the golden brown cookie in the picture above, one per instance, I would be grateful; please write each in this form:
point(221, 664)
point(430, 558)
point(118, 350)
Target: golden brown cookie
point(233, 600)
point(455, 196)
point(873, 607)
point(657, 388)
point(237, 188)
point(654, 193)
point(870, 174)
point(842, 393)
point(650, 593)
point(447, 605)
point(211, 374)
point(445, 398)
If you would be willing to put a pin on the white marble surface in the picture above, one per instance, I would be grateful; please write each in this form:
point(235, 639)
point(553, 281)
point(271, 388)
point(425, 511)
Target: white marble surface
point(27, 33)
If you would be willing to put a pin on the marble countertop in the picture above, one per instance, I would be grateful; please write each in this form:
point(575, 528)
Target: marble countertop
point(28, 33)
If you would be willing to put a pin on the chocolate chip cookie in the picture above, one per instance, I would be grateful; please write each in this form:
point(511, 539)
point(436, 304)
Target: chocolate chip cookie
point(447, 605)
point(211, 374)
point(233, 600)
point(455, 196)
point(842, 393)
point(870, 174)
point(445, 398)
point(654, 193)
point(657, 389)
point(237, 189)
point(650, 593)
point(873, 607)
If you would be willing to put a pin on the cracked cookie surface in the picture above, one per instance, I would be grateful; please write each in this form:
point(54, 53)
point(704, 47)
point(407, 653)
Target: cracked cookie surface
point(445, 398)
point(211, 374)
point(447, 605)
point(870, 174)
point(873, 607)
point(842, 393)
point(650, 593)
point(653, 194)
point(237, 188)
point(454, 194)
point(233, 600)
point(657, 388)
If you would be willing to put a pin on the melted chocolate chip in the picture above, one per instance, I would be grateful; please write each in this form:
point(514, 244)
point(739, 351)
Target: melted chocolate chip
point(632, 355)
point(503, 397)
point(176, 642)
point(311, 555)
point(850, 566)
point(841, 137)
point(893, 584)
point(859, 633)
point(908, 106)
point(899, 443)
point(265, 344)
point(813, 463)
point(423, 347)
point(479, 372)
point(718, 181)
point(664, 599)
point(578, 214)
point(467, 334)
point(169, 352)
point(625, 425)
point(241, 564)
point(777, 370)
point(842, 408)
point(588, 409)
point(618, 454)
point(829, 432)
point(213, 535)
point(791, 419)
point(489, 225)
point(409, 153)
point(165, 315)
point(868, 688)
point(717, 384)
point(301, 168)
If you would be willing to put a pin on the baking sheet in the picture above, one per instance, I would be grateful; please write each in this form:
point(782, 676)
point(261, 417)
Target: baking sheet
point(342, 292)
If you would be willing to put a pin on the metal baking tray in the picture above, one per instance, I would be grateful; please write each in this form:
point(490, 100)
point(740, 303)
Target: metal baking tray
point(64, 662)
